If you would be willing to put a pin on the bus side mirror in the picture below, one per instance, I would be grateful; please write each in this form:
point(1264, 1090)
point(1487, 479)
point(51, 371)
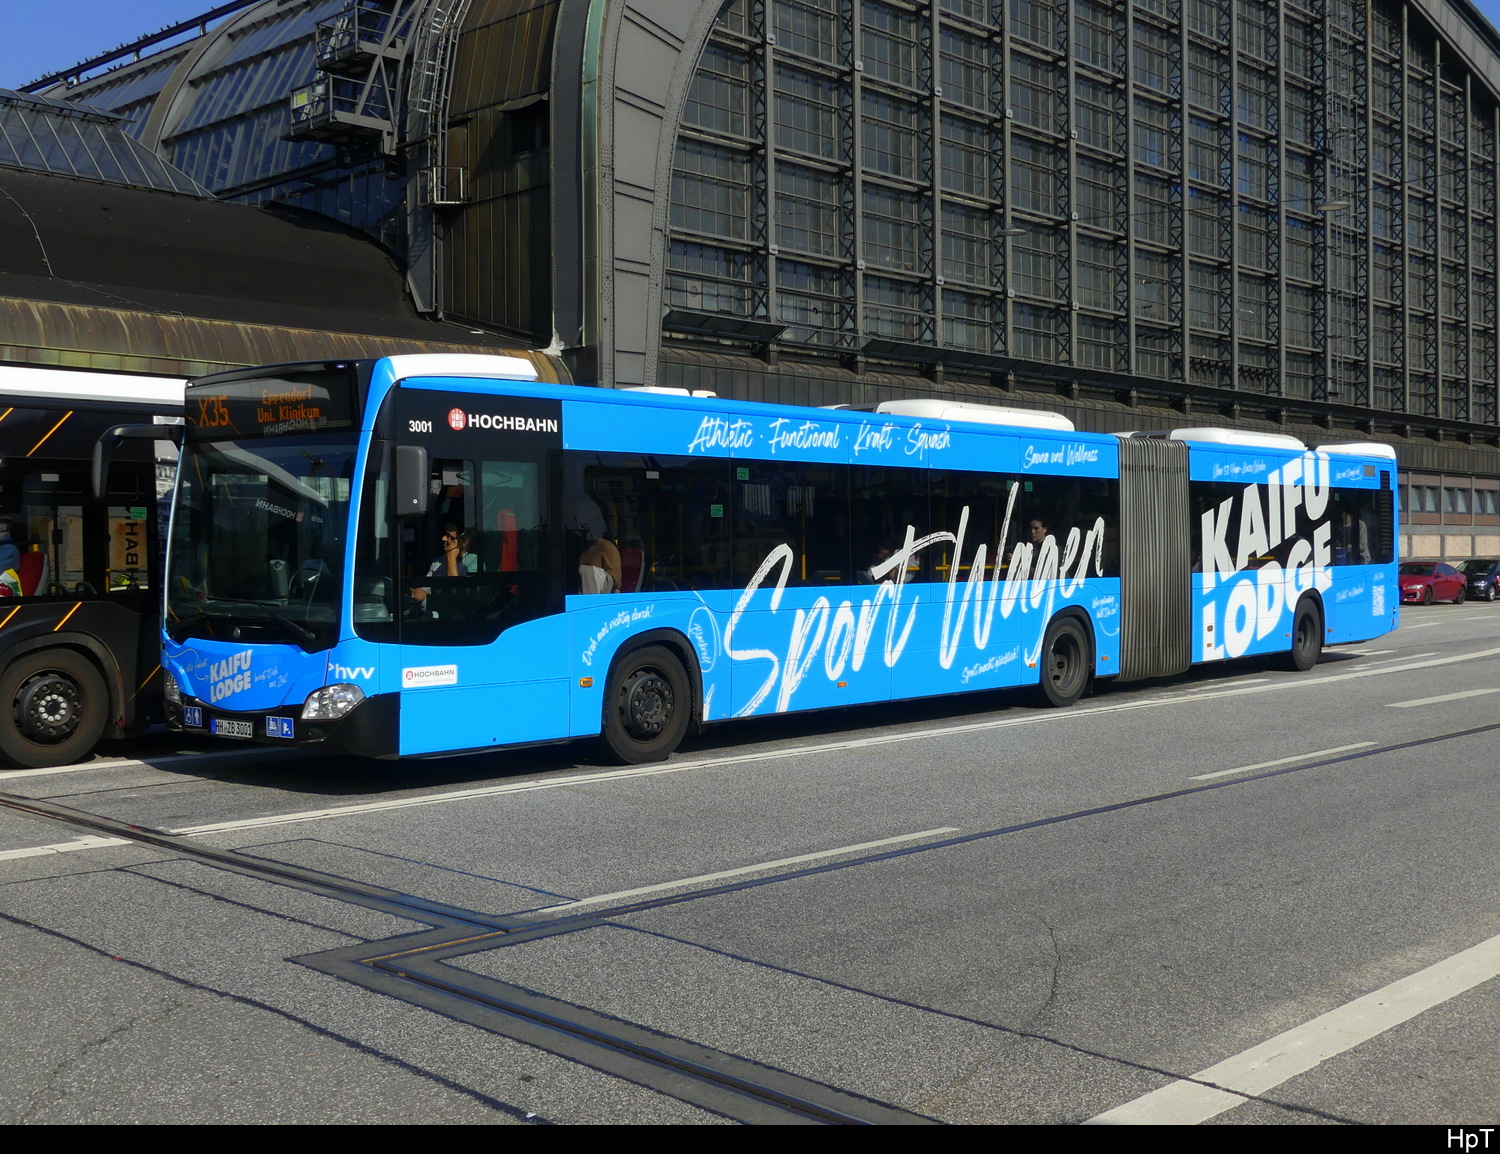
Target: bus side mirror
point(110, 440)
point(412, 473)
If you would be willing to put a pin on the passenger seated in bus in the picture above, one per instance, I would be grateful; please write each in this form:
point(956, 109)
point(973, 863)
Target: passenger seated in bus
point(599, 567)
point(10, 552)
point(881, 554)
point(1351, 541)
point(632, 565)
point(455, 560)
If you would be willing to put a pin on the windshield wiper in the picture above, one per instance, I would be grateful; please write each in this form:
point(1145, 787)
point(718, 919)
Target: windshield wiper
point(229, 612)
point(298, 631)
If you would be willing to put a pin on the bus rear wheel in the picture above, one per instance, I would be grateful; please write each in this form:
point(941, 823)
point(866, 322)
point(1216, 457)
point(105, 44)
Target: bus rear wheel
point(54, 707)
point(1307, 637)
point(1065, 662)
point(646, 706)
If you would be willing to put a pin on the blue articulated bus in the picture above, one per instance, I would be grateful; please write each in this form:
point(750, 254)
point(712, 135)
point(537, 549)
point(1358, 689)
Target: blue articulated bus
point(422, 555)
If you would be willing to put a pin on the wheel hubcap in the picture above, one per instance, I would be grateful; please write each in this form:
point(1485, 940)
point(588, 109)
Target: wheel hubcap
point(1064, 664)
point(648, 704)
point(48, 707)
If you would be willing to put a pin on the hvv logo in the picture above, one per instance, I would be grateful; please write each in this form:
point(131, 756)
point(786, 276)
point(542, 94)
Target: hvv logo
point(350, 672)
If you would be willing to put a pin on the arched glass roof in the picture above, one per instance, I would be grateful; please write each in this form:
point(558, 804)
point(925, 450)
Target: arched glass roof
point(42, 135)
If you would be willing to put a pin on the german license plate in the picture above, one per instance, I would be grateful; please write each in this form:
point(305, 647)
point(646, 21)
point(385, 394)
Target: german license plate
point(226, 728)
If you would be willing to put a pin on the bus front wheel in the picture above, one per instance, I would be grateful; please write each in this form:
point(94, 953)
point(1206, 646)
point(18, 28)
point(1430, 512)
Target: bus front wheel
point(646, 706)
point(1065, 662)
point(55, 706)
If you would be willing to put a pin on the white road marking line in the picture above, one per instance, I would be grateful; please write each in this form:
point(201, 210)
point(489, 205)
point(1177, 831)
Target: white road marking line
point(1444, 697)
point(1039, 717)
point(1385, 667)
point(1424, 625)
point(620, 895)
point(1268, 1065)
point(165, 761)
point(1285, 760)
point(1218, 683)
point(111, 763)
point(93, 842)
point(1404, 656)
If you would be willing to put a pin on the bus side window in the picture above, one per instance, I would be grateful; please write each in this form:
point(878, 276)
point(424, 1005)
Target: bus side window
point(665, 517)
point(49, 534)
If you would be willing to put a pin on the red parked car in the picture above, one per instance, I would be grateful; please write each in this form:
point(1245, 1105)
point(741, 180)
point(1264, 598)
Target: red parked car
point(1429, 581)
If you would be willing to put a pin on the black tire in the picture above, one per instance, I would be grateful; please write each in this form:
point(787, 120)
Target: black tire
point(1307, 637)
point(1066, 662)
point(647, 706)
point(1489, 592)
point(1463, 592)
point(1427, 596)
point(53, 709)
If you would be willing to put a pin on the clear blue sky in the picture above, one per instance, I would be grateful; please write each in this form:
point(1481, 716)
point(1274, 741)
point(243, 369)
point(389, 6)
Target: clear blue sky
point(42, 36)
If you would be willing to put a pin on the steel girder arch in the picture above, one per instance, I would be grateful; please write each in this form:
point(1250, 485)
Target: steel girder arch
point(636, 62)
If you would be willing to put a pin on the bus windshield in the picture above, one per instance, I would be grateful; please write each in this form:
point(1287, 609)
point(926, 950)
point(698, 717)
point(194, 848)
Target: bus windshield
point(258, 540)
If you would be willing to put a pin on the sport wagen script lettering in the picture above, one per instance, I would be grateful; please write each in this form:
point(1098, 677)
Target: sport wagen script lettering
point(842, 635)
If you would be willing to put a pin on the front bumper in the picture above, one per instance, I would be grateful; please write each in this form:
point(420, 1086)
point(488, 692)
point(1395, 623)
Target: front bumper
point(370, 729)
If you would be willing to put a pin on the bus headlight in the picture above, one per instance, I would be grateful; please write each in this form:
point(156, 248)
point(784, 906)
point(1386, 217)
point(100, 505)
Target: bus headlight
point(331, 702)
point(171, 690)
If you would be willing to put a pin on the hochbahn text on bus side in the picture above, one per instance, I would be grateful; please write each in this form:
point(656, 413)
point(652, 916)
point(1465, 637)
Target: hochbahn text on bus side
point(422, 555)
point(80, 615)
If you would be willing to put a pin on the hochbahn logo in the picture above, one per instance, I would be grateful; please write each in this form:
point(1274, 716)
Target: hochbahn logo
point(458, 420)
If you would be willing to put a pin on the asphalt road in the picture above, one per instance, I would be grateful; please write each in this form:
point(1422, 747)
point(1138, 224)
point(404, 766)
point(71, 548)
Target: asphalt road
point(1239, 896)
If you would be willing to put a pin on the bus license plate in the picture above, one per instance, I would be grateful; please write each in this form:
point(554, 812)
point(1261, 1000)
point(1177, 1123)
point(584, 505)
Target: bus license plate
point(226, 728)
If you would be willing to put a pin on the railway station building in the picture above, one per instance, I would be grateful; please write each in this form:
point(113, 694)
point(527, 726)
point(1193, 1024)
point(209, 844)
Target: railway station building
point(1270, 214)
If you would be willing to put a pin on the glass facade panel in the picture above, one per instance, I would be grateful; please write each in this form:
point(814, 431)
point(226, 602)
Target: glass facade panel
point(968, 322)
point(809, 27)
point(891, 47)
point(1095, 29)
point(1034, 20)
point(965, 68)
point(1034, 175)
point(711, 190)
point(814, 301)
point(44, 136)
point(895, 309)
point(1096, 114)
point(807, 113)
point(1034, 97)
point(965, 157)
point(704, 278)
point(893, 232)
point(719, 99)
point(809, 219)
point(890, 136)
point(1034, 266)
point(967, 253)
point(1099, 273)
